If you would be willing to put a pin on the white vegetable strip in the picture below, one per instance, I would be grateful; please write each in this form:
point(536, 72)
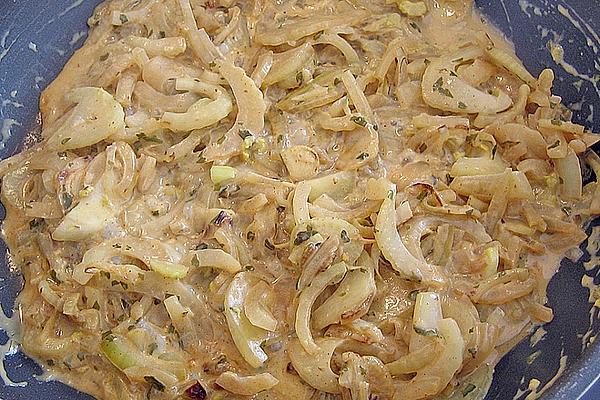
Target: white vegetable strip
point(256, 306)
point(216, 258)
point(96, 117)
point(315, 369)
point(247, 337)
point(394, 250)
point(300, 202)
point(330, 276)
point(246, 385)
point(357, 287)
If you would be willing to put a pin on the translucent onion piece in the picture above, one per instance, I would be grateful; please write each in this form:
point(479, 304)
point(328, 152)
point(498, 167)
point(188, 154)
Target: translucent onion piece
point(446, 91)
point(216, 258)
point(330, 276)
point(256, 306)
point(569, 170)
point(247, 337)
point(394, 250)
point(288, 63)
point(435, 376)
point(302, 162)
point(96, 117)
point(315, 369)
point(246, 385)
point(336, 185)
point(300, 202)
point(354, 290)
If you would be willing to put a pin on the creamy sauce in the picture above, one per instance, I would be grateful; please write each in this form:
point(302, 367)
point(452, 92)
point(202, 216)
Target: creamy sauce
point(176, 229)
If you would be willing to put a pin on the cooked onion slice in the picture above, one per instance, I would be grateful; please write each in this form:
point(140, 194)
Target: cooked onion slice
point(394, 250)
point(330, 276)
point(247, 337)
point(246, 385)
point(344, 304)
point(315, 369)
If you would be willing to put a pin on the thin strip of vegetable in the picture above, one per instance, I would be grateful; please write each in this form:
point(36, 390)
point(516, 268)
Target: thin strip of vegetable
point(330, 276)
point(394, 250)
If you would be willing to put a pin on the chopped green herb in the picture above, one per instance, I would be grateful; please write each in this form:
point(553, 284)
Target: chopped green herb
point(412, 296)
point(426, 332)
point(462, 105)
point(344, 236)
point(54, 278)
point(66, 200)
point(472, 351)
point(96, 306)
point(554, 145)
point(228, 190)
point(299, 77)
point(422, 147)
point(65, 140)
point(556, 122)
point(162, 34)
point(244, 133)
point(414, 25)
point(104, 57)
point(36, 223)
point(269, 245)
point(143, 136)
point(362, 156)
point(359, 120)
point(470, 387)
point(438, 86)
point(303, 236)
point(152, 347)
point(123, 18)
point(80, 356)
point(155, 213)
point(567, 210)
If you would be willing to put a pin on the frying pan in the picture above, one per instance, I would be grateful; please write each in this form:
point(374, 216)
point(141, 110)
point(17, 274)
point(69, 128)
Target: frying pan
point(38, 37)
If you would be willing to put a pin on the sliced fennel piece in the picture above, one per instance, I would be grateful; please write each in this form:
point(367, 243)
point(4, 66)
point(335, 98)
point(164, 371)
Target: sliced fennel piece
point(393, 249)
point(336, 185)
point(96, 117)
point(354, 290)
point(222, 173)
point(247, 337)
point(315, 369)
point(169, 269)
point(246, 385)
point(308, 296)
point(427, 314)
point(91, 215)
point(216, 258)
point(443, 89)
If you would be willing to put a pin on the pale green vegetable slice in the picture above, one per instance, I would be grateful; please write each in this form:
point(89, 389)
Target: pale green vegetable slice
point(96, 117)
point(393, 249)
point(169, 269)
point(247, 337)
